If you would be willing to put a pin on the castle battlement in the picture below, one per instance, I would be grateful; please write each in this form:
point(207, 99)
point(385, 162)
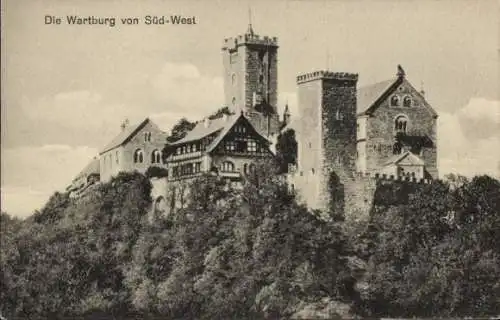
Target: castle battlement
point(246, 39)
point(325, 74)
point(389, 178)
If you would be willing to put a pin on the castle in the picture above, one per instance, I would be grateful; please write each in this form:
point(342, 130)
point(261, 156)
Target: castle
point(344, 134)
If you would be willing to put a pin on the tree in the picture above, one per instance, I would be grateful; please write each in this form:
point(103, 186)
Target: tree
point(220, 112)
point(156, 172)
point(180, 129)
point(435, 253)
point(286, 150)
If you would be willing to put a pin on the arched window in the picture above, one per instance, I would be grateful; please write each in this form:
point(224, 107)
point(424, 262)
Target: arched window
point(407, 101)
point(138, 156)
point(245, 168)
point(234, 101)
point(227, 166)
point(117, 159)
point(400, 124)
point(156, 156)
point(395, 101)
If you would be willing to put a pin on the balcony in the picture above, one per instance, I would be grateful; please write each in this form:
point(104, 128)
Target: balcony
point(186, 176)
point(230, 174)
point(184, 156)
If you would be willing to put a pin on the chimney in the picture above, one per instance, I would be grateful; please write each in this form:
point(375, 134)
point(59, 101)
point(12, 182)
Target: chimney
point(224, 117)
point(206, 122)
point(124, 124)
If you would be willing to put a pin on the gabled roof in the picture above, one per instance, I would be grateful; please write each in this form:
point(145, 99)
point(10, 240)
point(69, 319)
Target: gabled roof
point(91, 168)
point(203, 129)
point(227, 128)
point(125, 135)
point(367, 96)
point(219, 125)
point(406, 158)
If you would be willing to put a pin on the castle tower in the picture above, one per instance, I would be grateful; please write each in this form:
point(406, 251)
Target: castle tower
point(327, 140)
point(251, 78)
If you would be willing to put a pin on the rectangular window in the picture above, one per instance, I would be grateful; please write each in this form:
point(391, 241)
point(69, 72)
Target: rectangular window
point(252, 146)
point(197, 167)
point(230, 146)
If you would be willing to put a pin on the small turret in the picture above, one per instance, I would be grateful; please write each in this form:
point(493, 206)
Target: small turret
point(286, 115)
point(250, 29)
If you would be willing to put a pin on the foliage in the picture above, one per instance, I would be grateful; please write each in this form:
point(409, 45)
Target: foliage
point(156, 172)
point(251, 251)
point(436, 253)
point(238, 253)
point(180, 129)
point(286, 149)
point(75, 264)
point(220, 112)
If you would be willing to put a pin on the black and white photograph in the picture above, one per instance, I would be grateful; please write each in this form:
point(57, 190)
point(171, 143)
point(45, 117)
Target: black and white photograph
point(280, 159)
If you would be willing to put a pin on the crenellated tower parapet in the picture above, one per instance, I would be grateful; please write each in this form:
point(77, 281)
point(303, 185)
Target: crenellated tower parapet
point(326, 75)
point(233, 43)
point(251, 79)
point(366, 176)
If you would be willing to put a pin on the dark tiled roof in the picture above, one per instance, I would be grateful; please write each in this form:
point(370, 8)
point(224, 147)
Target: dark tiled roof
point(221, 126)
point(203, 129)
point(124, 136)
point(368, 95)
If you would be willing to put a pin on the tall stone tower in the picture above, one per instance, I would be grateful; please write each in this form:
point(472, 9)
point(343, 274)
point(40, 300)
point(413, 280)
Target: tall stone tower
point(327, 139)
point(251, 79)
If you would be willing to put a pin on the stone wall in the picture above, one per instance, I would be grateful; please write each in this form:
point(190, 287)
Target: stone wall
point(243, 59)
point(327, 138)
point(381, 134)
point(122, 158)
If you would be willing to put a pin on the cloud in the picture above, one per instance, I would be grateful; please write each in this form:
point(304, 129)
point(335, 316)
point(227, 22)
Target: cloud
point(468, 154)
point(480, 118)
point(183, 87)
point(34, 173)
point(91, 118)
point(74, 108)
point(481, 109)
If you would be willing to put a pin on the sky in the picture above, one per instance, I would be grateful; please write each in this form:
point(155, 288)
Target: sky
point(66, 89)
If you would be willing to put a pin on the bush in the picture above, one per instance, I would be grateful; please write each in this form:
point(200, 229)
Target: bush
point(156, 172)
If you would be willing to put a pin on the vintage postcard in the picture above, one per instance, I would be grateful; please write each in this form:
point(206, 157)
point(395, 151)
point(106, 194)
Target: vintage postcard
point(250, 159)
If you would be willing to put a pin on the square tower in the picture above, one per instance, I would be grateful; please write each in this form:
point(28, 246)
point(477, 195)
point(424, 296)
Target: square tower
point(251, 72)
point(327, 133)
